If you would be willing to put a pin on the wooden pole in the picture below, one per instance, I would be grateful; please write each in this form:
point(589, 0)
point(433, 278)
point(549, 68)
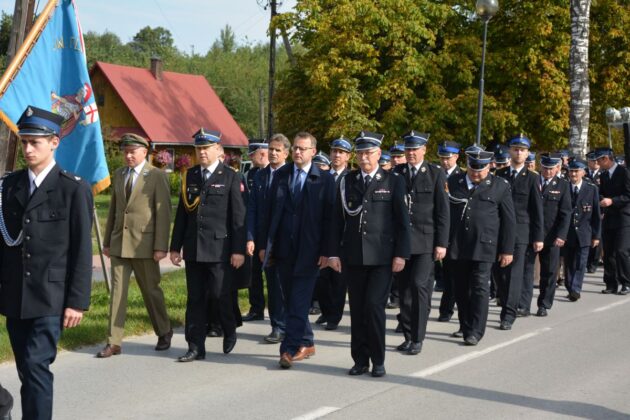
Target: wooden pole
point(261, 113)
point(97, 228)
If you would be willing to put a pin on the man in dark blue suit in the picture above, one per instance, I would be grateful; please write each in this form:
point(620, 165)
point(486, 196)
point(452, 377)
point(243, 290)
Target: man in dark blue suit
point(294, 237)
point(45, 257)
point(584, 232)
point(278, 150)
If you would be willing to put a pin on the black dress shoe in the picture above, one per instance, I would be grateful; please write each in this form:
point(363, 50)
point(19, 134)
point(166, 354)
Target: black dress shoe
point(404, 346)
point(164, 342)
point(274, 337)
point(331, 326)
point(471, 341)
point(190, 356)
point(315, 310)
point(399, 328)
point(458, 334)
point(591, 269)
point(357, 370)
point(228, 343)
point(378, 371)
point(541, 312)
point(624, 291)
point(522, 312)
point(253, 316)
point(444, 318)
point(215, 332)
point(320, 320)
point(414, 348)
point(609, 291)
point(392, 305)
point(505, 325)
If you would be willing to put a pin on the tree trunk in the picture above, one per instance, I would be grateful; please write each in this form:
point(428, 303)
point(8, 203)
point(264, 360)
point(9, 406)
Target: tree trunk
point(579, 113)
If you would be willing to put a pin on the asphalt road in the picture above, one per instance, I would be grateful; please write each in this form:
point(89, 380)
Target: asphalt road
point(573, 363)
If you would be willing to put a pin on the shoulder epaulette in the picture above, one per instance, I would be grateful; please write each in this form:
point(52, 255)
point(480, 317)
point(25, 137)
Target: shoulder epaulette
point(70, 175)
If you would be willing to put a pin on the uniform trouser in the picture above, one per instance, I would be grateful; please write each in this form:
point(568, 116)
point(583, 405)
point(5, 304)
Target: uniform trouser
point(549, 266)
point(472, 289)
point(214, 318)
point(416, 288)
point(594, 255)
point(207, 282)
point(256, 291)
point(529, 270)
point(368, 289)
point(147, 273)
point(34, 343)
point(616, 257)
point(575, 263)
point(5, 397)
point(512, 283)
point(447, 303)
point(438, 275)
point(298, 294)
point(331, 293)
point(275, 301)
point(394, 293)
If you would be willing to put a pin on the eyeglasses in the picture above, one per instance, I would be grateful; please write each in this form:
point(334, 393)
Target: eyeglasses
point(367, 152)
point(301, 149)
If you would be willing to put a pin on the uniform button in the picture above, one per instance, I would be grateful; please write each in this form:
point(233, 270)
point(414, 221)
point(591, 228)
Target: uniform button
point(125, 227)
point(28, 238)
point(27, 221)
point(126, 211)
point(28, 274)
point(365, 201)
point(365, 233)
point(203, 204)
point(28, 256)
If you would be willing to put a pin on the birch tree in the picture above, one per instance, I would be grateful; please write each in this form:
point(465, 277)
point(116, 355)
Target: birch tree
point(579, 113)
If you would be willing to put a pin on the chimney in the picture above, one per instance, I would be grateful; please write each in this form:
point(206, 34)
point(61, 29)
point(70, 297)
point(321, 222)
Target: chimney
point(156, 67)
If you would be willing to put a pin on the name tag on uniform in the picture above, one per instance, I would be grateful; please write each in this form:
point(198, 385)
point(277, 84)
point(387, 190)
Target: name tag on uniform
point(382, 195)
point(192, 189)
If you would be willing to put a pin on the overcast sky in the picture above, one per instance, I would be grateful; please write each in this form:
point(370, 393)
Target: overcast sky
point(192, 22)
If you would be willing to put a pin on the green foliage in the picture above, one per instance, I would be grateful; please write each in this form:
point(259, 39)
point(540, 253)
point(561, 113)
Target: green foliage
point(175, 183)
point(6, 22)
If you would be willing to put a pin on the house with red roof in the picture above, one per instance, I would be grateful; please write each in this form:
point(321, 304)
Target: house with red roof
point(166, 108)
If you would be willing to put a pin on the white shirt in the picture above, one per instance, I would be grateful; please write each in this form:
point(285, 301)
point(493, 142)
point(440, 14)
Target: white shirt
point(579, 187)
point(36, 180)
point(450, 171)
point(210, 168)
point(271, 171)
point(518, 170)
point(137, 170)
point(415, 166)
point(612, 169)
point(305, 169)
point(469, 183)
point(371, 174)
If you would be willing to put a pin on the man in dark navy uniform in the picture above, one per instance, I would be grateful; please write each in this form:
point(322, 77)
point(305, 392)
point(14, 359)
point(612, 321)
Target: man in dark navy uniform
point(530, 162)
point(482, 227)
point(370, 239)
point(332, 286)
point(556, 199)
point(427, 203)
point(210, 227)
point(258, 153)
point(278, 150)
point(295, 237)
point(584, 232)
point(529, 227)
point(45, 257)
point(593, 173)
point(448, 152)
point(397, 152)
point(614, 195)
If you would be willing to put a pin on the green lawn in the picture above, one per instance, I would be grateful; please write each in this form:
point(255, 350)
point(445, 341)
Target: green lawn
point(93, 328)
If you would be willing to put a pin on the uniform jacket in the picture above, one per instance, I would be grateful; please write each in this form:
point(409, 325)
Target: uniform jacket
point(427, 202)
point(527, 205)
point(381, 230)
point(52, 269)
point(456, 171)
point(137, 228)
point(618, 189)
point(296, 228)
point(585, 217)
point(556, 197)
point(484, 226)
point(216, 228)
point(594, 178)
point(258, 194)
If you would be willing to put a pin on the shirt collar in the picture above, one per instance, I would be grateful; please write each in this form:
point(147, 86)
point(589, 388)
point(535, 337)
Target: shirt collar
point(38, 179)
point(415, 166)
point(612, 169)
point(518, 170)
point(212, 167)
point(579, 186)
point(306, 169)
point(138, 168)
point(469, 182)
point(371, 174)
point(449, 172)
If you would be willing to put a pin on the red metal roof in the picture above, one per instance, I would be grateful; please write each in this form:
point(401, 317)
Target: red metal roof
point(171, 110)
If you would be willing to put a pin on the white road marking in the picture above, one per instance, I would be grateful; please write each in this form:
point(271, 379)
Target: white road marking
point(474, 355)
point(316, 414)
point(612, 305)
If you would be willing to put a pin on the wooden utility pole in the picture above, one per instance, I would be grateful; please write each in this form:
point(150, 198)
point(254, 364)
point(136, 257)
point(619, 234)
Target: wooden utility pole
point(22, 23)
point(272, 68)
point(261, 113)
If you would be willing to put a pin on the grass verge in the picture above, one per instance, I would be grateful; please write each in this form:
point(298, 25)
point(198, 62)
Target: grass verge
point(93, 328)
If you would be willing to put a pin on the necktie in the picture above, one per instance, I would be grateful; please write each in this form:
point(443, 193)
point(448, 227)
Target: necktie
point(414, 172)
point(513, 176)
point(297, 183)
point(335, 175)
point(129, 184)
point(367, 181)
point(574, 195)
point(33, 188)
point(206, 174)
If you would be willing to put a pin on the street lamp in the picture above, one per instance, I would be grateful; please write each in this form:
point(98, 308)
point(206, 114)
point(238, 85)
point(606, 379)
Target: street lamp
point(619, 119)
point(485, 9)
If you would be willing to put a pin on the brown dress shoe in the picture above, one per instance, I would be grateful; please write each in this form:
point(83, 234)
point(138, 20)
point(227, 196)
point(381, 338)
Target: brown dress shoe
point(109, 351)
point(164, 342)
point(286, 361)
point(304, 353)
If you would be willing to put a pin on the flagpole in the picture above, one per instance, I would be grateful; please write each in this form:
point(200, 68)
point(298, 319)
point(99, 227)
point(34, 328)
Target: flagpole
point(26, 46)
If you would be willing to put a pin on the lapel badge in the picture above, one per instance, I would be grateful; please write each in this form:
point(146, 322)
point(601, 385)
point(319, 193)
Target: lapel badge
point(220, 172)
point(358, 176)
point(378, 177)
point(461, 180)
point(423, 169)
point(405, 170)
point(350, 204)
point(487, 182)
point(553, 183)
